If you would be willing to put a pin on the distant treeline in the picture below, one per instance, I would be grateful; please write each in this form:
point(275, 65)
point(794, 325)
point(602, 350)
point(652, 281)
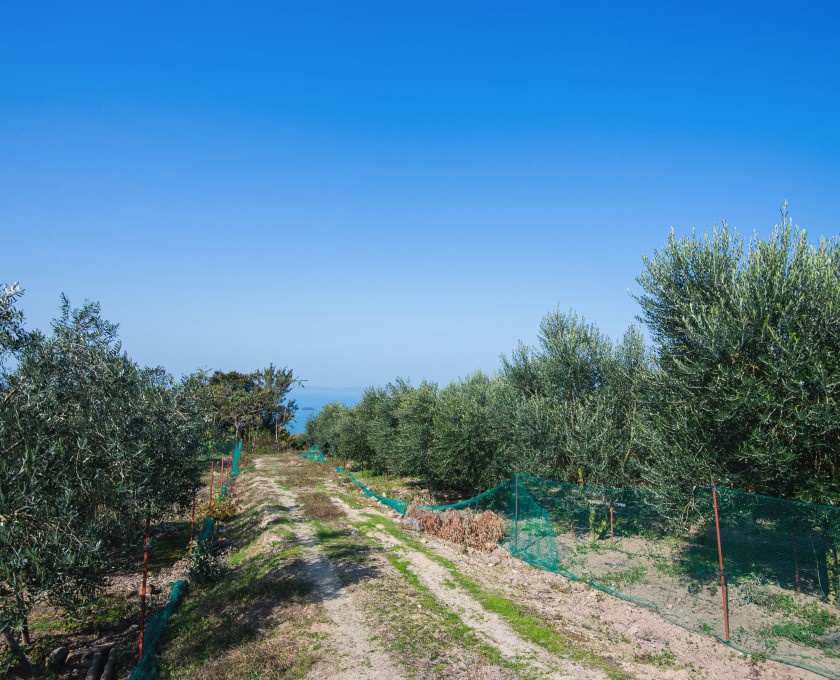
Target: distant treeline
point(741, 387)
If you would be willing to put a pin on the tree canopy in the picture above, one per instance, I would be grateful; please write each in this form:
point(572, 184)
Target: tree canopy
point(741, 386)
point(747, 341)
point(243, 401)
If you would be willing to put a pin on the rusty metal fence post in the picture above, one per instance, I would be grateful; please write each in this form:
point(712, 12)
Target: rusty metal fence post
point(143, 589)
point(720, 562)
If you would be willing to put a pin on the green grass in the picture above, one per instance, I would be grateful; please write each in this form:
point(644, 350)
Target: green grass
point(225, 629)
point(664, 659)
point(48, 622)
point(417, 625)
point(533, 627)
point(391, 487)
point(226, 616)
point(625, 577)
point(352, 501)
point(107, 611)
point(803, 633)
point(454, 630)
point(318, 505)
point(806, 622)
point(341, 544)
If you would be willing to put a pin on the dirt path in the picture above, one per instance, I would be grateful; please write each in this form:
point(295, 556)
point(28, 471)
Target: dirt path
point(349, 652)
point(315, 580)
point(487, 624)
point(354, 651)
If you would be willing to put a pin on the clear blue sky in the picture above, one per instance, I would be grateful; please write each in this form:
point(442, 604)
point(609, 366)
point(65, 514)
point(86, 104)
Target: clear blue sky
point(364, 190)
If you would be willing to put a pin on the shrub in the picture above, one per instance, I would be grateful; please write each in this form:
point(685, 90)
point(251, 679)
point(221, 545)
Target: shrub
point(220, 509)
point(204, 568)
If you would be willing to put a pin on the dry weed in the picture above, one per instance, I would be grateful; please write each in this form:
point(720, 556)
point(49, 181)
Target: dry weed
point(285, 654)
point(479, 530)
point(318, 505)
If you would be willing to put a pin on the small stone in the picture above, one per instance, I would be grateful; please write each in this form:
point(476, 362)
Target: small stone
point(413, 524)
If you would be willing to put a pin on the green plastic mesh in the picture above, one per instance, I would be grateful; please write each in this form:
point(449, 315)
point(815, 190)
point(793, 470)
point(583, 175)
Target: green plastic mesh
point(147, 668)
point(314, 454)
point(396, 504)
point(528, 532)
point(237, 454)
point(780, 559)
point(782, 579)
point(205, 536)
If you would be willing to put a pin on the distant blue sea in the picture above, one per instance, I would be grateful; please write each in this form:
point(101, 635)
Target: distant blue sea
point(311, 400)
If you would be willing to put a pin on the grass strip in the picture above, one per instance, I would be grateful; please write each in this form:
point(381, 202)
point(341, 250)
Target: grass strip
point(440, 629)
point(530, 625)
point(457, 631)
point(233, 627)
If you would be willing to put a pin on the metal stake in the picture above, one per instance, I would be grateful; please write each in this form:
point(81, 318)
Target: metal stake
point(192, 523)
point(720, 562)
point(143, 591)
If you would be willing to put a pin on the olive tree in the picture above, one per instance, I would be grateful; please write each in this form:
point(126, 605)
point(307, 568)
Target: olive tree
point(414, 438)
point(748, 349)
point(576, 402)
point(90, 445)
point(465, 453)
point(323, 429)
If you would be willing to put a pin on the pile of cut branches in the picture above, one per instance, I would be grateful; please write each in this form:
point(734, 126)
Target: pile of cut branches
point(479, 530)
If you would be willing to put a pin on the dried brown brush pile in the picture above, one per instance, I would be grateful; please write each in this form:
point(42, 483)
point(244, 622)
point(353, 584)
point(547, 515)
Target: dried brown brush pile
point(479, 530)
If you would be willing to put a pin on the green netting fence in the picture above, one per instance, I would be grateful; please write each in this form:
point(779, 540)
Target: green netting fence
point(314, 454)
point(769, 587)
point(147, 667)
point(396, 504)
point(237, 454)
point(776, 594)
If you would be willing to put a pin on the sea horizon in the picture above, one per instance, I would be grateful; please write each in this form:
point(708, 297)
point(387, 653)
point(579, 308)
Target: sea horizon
point(311, 399)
